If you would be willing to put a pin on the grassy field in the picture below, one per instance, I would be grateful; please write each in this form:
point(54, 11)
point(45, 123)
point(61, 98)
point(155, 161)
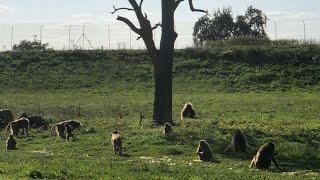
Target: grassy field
point(270, 92)
point(290, 118)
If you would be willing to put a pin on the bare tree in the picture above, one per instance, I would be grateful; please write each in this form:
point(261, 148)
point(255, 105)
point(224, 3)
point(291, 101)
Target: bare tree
point(162, 59)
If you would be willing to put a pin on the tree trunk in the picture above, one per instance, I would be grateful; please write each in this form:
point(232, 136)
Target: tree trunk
point(163, 67)
point(163, 91)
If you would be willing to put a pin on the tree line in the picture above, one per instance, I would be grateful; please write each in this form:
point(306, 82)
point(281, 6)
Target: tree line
point(221, 25)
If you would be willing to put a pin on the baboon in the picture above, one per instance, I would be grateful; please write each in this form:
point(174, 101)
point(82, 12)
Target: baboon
point(34, 121)
point(204, 151)
point(238, 142)
point(167, 129)
point(263, 158)
point(16, 125)
point(74, 124)
point(6, 117)
point(11, 142)
point(59, 129)
point(116, 142)
point(68, 131)
point(187, 111)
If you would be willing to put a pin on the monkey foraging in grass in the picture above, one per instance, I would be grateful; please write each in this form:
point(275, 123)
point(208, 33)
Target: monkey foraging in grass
point(6, 117)
point(59, 129)
point(74, 124)
point(187, 111)
point(16, 125)
point(34, 121)
point(11, 142)
point(263, 158)
point(116, 142)
point(167, 129)
point(238, 142)
point(204, 151)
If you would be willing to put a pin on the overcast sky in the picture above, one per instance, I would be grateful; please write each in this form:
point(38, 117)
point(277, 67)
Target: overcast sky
point(26, 16)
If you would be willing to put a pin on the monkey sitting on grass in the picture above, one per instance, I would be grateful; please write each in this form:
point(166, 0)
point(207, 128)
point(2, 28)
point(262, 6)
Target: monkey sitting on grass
point(263, 158)
point(187, 111)
point(167, 129)
point(116, 142)
point(204, 151)
point(11, 142)
point(238, 142)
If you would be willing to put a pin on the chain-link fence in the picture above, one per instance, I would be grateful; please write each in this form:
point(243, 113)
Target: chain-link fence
point(119, 36)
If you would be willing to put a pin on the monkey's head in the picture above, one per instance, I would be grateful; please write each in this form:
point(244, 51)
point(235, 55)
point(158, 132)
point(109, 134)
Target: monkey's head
point(188, 105)
point(115, 132)
point(23, 115)
point(270, 146)
point(167, 125)
point(77, 124)
point(203, 143)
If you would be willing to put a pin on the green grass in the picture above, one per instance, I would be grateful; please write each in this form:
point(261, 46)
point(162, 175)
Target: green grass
point(291, 119)
point(269, 92)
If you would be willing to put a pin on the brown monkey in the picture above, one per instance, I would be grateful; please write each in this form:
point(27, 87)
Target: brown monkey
point(238, 142)
point(74, 124)
point(187, 111)
point(263, 158)
point(116, 142)
point(11, 143)
point(6, 116)
point(204, 151)
point(16, 125)
point(59, 129)
point(167, 129)
point(34, 121)
point(68, 131)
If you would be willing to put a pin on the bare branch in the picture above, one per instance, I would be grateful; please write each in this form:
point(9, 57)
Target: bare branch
point(118, 9)
point(177, 3)
point(156, 26)
point(130, 24)
point(195, 10)
point(141, 3)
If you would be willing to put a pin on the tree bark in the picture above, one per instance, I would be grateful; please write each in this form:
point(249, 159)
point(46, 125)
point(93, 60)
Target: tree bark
point(163, 67)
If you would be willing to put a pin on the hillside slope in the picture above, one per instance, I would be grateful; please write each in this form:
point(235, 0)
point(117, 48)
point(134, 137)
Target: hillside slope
point(238, 68)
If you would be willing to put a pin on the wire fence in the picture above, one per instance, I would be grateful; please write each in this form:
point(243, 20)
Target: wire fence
point(119, 36)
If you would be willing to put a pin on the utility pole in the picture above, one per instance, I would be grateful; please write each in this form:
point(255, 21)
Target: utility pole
point(304, 31)
point(11, 38)
point(83, 36)
point(276, 30)
point(109, 37)
point(130, 39)
point(41, 34)
point(70, 37)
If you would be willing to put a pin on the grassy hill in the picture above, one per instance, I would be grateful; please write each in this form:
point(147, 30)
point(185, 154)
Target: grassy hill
point(232, 69)
point(274, 97)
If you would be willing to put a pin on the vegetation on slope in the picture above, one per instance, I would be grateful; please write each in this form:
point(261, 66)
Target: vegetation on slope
point(231, 68)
